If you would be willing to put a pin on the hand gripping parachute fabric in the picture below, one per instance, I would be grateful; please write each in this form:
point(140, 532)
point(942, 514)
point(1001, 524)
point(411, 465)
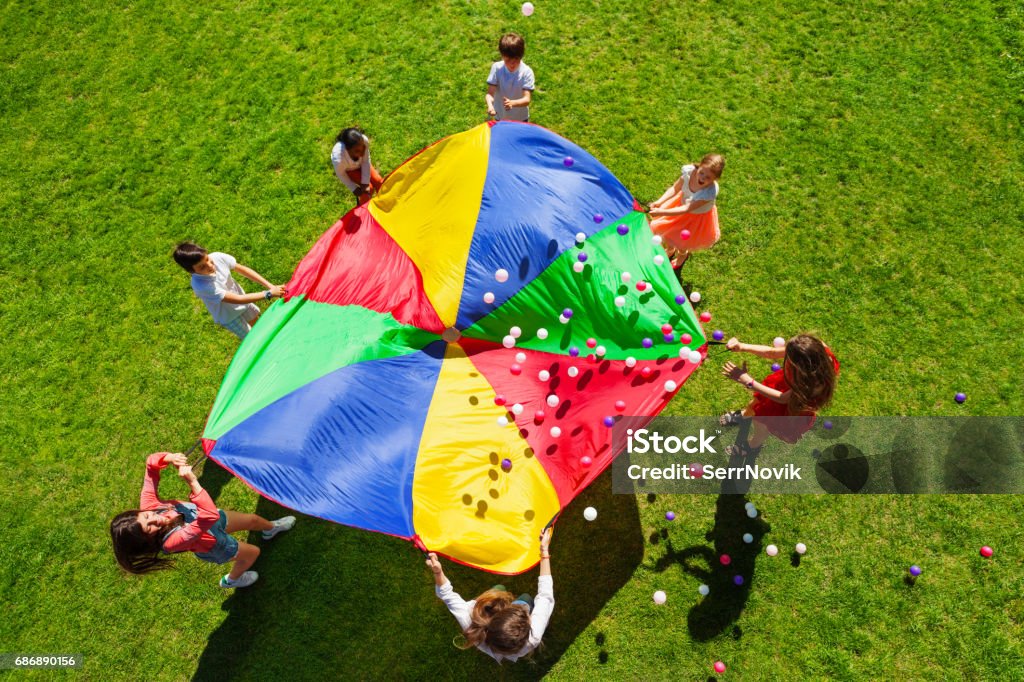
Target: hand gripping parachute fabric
point(381, 393)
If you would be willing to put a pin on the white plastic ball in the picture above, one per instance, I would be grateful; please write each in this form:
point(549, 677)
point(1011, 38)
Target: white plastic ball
point(630, 361)
point(752, 513)
point(694, 357)
point(552, 400)
point(555, 432)
point(542, 333)
point(527, 9)
point(502, 420)
point(501, 274)
point(659, 259)
point(626, 277)
point(520, 357)
point(517, 409)
point(580, 237)
point(670, 386)
point(779, 342)
point(515, 332)
point(589, 513)
point(704, 590)
point(620, 301)
point(509, 341)
point(489, 297)
point(543, 375)
point(748, 538)
point(660, 597)
point(578, 266)
point(748, 505)
point(573, 371)
point(563, 319)
point(694, 297)
point(801, 548)
point(600, 350)
point(771, 550)
point(656, 240)
point(684, 353)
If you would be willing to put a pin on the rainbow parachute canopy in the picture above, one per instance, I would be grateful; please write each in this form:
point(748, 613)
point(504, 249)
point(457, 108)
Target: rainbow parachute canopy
point(376, 395)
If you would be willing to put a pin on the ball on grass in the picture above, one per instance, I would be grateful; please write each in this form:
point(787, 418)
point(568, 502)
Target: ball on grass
point(738, 579)
point(718, 335)
point(670, 516)
point(660, 597)
point(528, 11)
point(801, 548)
point(748, 538)
point(695, 297)
point(986, 551)
point(705, 316)
point(960, 397)
point(915, 571)
point(590, 513)
point(704, 590)
point(771, 550)
point(719, 667)
point(776, 367)
point(725, 560)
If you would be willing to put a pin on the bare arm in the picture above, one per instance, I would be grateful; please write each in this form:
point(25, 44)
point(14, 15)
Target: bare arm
point(545, 553)
point(766, 352)
point(492, 90)
point(686, 207)
point(523, 101)
point(673, 190)
point(739, 374)
point(249, 273)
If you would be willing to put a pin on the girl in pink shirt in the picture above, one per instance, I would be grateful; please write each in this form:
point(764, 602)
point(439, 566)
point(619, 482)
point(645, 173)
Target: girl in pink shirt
point(158, 527)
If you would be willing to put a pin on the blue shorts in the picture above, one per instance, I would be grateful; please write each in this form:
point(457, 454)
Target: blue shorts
point(226, 548)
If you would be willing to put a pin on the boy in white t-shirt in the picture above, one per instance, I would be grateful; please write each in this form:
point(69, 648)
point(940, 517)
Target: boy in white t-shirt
point(510, 82)
point(212, 282)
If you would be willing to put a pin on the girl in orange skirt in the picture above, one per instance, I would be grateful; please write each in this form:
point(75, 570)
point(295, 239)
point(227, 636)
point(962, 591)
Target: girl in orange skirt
point(786, 402)
point(685, 216)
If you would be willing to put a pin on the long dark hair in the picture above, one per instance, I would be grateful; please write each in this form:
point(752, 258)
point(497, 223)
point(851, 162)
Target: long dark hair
point(350, 137)
point(137, 551)
point(810, 373)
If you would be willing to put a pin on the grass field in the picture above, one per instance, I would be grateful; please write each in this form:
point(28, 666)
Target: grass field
point(874, 193)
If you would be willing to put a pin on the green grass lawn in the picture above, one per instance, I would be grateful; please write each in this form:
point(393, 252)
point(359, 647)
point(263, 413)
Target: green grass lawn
point(874, 193)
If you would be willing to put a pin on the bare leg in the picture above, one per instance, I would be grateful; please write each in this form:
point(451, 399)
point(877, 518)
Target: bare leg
point(246, 557)
point(241, 521)
point(758, 437)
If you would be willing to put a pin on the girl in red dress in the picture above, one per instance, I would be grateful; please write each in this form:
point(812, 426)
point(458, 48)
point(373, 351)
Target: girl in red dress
point(803, 385)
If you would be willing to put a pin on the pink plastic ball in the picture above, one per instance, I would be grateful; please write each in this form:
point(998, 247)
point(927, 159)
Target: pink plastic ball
point(516, 369)
point(591, 343)
point(539, 415)
point(620, 405)
point(646, 372)
point(666, 328)
point(586, 461)
point(705, 316)
point(719, 667)
point(686, 339)
point(499, 400)
point(640, 286)
point(986, 551)
point(725, 560)
point(685, 234)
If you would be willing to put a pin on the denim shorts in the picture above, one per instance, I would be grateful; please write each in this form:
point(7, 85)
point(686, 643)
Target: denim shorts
point(226, 547)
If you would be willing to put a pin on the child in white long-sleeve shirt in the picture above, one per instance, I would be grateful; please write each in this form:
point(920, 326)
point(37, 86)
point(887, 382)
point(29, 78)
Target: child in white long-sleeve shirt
point(500, 625)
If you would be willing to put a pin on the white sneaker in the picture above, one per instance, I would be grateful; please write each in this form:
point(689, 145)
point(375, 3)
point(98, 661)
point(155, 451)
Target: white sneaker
point(281, 525)
point(244, 580)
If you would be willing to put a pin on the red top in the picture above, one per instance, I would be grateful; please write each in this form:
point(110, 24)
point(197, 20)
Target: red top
point(191, 537)
point(787, 430)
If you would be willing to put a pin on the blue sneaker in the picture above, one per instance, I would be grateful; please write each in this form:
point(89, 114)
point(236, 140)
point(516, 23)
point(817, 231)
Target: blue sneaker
point(280, 526)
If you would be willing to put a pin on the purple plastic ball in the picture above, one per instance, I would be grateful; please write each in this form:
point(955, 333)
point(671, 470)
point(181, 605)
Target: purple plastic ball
point(915, 571)
point(623, 229)
point(776, 367)
point(680, 299)
point(574, 352)
point(598, 218)
point(827, 424)
point(670, 516)
point(647, 343)
point(609, 422)
point(718, 335)
point(738, 579)
point(670, 338)
point(960, 397)
point(567, 313)
point(581, 257)
point(568, 161)
point(506, 464)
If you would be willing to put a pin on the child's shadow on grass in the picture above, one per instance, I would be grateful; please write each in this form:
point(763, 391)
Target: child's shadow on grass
point(336, 602)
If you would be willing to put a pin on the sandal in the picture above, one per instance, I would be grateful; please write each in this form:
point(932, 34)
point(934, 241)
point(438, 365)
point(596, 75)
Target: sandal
point(731, 418)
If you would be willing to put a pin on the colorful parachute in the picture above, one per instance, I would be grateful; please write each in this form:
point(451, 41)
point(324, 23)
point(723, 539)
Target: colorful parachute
point(375, 394)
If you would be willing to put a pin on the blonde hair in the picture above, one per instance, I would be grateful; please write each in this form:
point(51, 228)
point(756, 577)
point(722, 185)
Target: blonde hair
point(714, 163)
